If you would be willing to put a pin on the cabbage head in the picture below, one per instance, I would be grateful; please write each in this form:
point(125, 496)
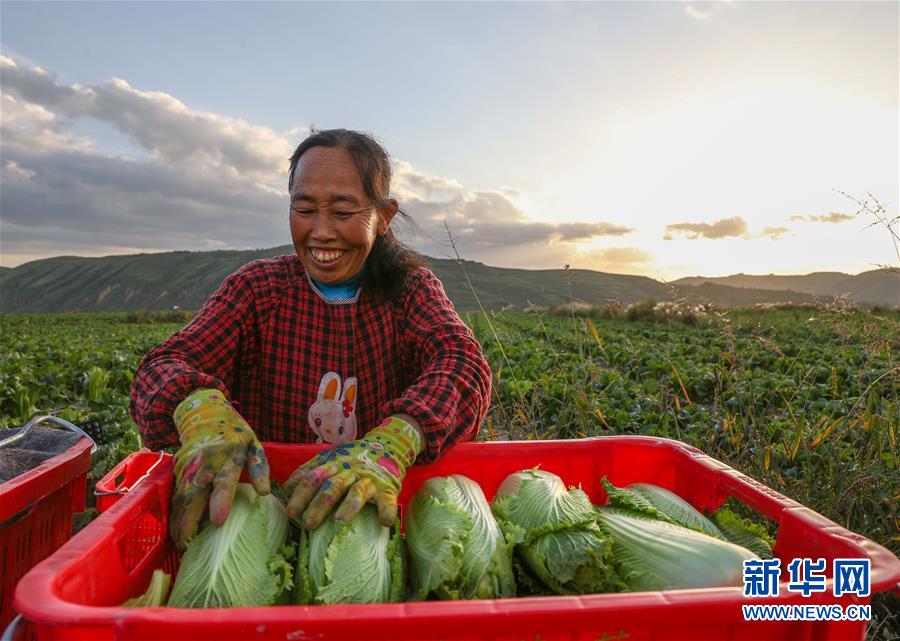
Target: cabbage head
point(557, 537)
point(240, 563)
point(456, 548)
point(657, 555)
point(661, 504)
point(357, 562)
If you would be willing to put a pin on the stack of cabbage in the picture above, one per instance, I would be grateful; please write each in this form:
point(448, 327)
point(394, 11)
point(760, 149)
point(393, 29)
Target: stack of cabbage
point(245, 562)
point(559, 547)
point(537, 533)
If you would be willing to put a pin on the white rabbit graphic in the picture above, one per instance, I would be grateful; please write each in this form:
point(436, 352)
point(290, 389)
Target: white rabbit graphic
point(333, 416)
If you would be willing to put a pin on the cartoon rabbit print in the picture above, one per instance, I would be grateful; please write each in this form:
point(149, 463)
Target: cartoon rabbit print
point(333, 416)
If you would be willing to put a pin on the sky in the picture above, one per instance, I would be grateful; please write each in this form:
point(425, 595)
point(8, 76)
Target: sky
point(665, 139)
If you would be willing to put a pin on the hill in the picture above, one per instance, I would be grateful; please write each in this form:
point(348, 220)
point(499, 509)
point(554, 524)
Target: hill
point(876, 287)
point(186, 279)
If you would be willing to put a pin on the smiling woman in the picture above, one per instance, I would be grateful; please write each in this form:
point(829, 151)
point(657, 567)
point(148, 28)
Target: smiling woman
point(353, 333)
point(341, 212)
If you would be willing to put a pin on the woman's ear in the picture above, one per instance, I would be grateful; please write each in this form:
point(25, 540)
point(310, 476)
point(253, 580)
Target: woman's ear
point(386, 215)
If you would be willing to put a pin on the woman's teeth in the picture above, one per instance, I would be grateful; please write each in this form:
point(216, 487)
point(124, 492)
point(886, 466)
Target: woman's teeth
point(327, 256)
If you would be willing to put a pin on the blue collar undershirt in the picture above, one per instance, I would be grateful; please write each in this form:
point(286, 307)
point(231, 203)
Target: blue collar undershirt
point(342, 290)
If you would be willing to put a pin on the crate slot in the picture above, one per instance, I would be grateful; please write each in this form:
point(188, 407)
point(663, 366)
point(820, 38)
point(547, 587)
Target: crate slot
point(144, 537)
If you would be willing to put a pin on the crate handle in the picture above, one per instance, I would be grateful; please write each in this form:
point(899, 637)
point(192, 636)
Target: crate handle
point(10, 632)
point(123, 490)
point(47, 419)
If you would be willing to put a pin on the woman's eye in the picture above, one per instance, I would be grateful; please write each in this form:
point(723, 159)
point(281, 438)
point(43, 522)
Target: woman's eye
point(344, 214)
point(303, 212)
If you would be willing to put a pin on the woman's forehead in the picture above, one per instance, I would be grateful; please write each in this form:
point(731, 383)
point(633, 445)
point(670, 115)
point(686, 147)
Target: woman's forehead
point(327, 173)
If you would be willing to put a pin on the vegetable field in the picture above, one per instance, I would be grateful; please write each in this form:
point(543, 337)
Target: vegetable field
point(806, 400)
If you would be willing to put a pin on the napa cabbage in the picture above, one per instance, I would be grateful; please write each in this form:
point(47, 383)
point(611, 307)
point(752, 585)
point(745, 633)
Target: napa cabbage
point(558, 542)
point(661, 504)
point(240, 563)
point(357, 562)
point(652, 554)
point(456, 548)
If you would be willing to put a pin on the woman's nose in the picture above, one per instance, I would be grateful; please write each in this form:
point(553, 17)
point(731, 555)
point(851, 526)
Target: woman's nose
point(322, 227)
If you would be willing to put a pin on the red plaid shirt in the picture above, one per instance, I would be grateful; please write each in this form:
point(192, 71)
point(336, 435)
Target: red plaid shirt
point(266, 338)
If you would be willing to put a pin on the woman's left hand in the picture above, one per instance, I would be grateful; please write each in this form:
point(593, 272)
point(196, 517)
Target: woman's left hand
point(369, 468)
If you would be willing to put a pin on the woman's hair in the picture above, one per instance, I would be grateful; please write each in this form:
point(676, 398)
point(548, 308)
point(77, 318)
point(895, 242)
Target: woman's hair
point(390, 261)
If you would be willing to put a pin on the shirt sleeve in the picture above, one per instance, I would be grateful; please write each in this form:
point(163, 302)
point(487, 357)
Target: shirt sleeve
point(449, 397)
point(202, 355)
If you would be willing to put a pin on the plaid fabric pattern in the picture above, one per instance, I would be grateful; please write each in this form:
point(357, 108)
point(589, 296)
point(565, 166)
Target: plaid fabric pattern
point(266, 338)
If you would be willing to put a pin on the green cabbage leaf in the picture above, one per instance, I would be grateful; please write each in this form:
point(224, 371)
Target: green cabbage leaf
point(456, 548)
point(357, 562)
point(156, 592)
point(742, 532)
point(239, 564)
point(661, 504)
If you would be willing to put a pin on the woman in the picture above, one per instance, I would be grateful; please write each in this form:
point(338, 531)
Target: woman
point(351, 341)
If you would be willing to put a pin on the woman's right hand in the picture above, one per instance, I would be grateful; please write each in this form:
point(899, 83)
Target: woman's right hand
point(216, 445)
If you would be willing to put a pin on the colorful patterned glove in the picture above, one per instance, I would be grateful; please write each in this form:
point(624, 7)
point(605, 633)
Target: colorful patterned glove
point(369, 468)
point(216, 444)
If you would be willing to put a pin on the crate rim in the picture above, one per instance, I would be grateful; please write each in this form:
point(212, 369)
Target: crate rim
point(22, 491)
point(65, 613)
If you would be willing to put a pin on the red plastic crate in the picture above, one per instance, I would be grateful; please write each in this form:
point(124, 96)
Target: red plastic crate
point(74, 594)
point(36, 516)
point(125, 477)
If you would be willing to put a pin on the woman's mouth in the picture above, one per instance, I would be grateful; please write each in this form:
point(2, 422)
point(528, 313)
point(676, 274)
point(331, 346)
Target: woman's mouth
point(326, 256)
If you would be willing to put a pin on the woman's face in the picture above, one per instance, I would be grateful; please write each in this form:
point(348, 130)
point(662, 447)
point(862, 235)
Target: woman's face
point(333, 223)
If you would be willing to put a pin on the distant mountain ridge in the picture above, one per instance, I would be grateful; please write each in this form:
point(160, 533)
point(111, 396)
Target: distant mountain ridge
point(875, 287)
point(187, 279)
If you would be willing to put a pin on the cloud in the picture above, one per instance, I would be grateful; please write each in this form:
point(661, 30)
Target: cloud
point(774, 232)
point(833, 217)
point(584, 231)
point(482, 222)
point(705, 10)
point(735, 226)
point(32, 126)
point(701, 12)
point(156, 121)
point(84, 199)
point(411, 184)
point(209, 181)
